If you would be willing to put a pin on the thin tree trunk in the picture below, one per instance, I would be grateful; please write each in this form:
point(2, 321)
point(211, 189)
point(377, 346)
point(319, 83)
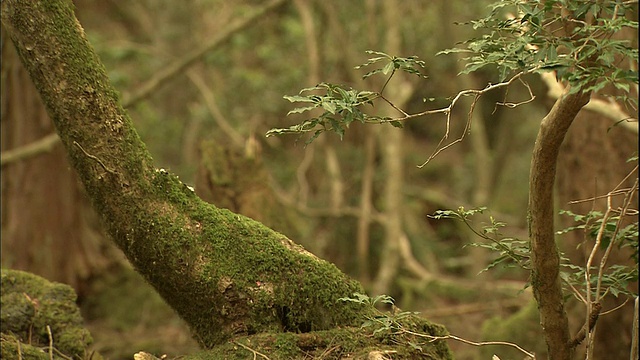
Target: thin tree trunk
point(366, 205)
point(391, 149)
point(545, 259)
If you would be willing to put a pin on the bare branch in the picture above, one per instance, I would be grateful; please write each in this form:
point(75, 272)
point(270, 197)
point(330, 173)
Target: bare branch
point(448, 110)
point(469, 342)
point(46, 144)
point(609, 109)
point(255, 353)
point(214, 109)
point(178, 67)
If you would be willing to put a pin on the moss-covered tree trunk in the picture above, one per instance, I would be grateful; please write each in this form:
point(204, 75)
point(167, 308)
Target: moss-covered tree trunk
point(225, 274)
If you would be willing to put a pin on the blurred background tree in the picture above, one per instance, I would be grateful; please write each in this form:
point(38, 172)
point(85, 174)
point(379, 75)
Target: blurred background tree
point(359, 202)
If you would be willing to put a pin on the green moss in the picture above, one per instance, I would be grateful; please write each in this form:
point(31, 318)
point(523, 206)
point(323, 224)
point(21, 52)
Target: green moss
point(341, 343)
point(11, 348)
point(49, 307)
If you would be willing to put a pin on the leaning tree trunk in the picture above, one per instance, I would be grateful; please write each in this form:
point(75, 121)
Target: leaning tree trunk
point(223, 273)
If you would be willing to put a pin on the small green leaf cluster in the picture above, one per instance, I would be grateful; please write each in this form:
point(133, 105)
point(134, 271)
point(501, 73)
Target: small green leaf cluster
point(512, 252)
point(341, 106)
point(385, 323)
point(572, 37)
point(409, 64)
point(592, 222)
point(366, 300)
point(615, 278)
point(615, 281)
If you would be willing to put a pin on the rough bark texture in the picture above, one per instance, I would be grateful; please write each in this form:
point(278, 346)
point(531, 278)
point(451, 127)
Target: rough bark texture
point(223, 273)
point(229, 178)
point(544, 253)
point(66, 244)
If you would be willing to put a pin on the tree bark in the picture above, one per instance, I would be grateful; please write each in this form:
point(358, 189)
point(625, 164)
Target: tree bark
point(66, 243)
point(223, 273)
point(545, 259)
point(391, 144)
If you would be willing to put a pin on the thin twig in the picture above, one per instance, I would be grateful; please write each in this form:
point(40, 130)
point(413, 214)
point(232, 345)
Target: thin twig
point(615, 191)
point(94, 158)
point(593, 306)
point(449, 109)
point(587, 271)
point(61, 354)
point(253, 351)
point(50, 342)
point(514, 105)
point(469, 342)
point(576, 292)
point(615, 308)
point(627, 202)
point(19, 350)
point(287, 199)
point(210, 101)
point(394, 106)
point(387, 82)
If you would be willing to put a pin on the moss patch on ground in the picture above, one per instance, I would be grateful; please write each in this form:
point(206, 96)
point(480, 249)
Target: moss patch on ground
point(343, 343)
point(40, 313)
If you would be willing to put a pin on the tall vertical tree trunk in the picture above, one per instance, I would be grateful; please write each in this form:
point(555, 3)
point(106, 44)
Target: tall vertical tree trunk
point(48, 226)
point(391, 142)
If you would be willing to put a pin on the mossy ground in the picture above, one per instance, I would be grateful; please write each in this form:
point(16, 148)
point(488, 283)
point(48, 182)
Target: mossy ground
point(350, 343)
point(40, 313)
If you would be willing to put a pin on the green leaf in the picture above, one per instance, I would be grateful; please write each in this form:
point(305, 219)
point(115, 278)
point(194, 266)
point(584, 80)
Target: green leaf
point(621, 86)
point(451, 51)
point(390, 67)
point(315, 136)
point(397, 124)
point(378, 53)
point(337, 127)
point(298, 98)
point(301, 109)
point(329, 106)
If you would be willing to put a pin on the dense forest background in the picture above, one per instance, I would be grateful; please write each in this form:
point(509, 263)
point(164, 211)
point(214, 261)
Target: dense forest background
point(360, 202)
